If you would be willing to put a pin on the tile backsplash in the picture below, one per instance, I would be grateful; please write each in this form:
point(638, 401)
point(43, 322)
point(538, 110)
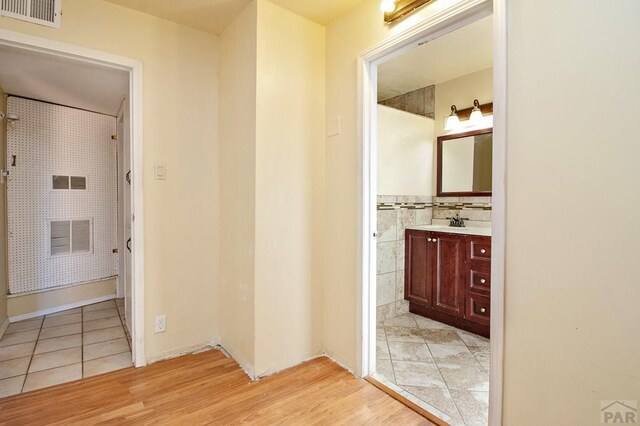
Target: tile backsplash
point(395, 213)
point(476, 209)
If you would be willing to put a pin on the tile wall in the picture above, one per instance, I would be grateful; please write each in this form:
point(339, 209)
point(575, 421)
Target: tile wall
point(473, 209)
point(395, 213)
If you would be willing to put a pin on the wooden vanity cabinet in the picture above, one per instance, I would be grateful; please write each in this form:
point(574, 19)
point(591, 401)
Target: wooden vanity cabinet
point(448, 278)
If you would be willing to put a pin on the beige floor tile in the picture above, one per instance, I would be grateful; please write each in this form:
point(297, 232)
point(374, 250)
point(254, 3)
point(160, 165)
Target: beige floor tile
point(55, 359)
point(17, 351)
point(382, 349)
point(67, 312)
point(101, 323)
point(473, 405)
point(97, 306)
point(52, 377)
point(120, 301)
point(455, 354)
point(58, 343)
point(473, 339)
point(14, 367)
point(429, 324)
point(408, 351)
point(423, 374)
point(102, 313)
point(106, 364)
point(20, 337)
point(404, 334)
point(12, 386)
point(464, 376)
point(405, 320)
point(439, 398)
point(63, 330)
point(111, 347)
point(483, 355)
point(385, 369)
point(26, 325)
point(102, 335)
point(443, 336)
point(62, 320)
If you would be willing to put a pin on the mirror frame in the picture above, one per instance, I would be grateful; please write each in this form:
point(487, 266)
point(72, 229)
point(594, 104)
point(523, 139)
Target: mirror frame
point(439, 164)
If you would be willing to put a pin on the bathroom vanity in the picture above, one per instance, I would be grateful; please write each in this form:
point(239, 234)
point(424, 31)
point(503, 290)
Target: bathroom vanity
point(448, 275)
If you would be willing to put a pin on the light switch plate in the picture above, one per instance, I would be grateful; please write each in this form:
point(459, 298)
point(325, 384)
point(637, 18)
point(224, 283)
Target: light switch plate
point(334, 126)
point(160, 171)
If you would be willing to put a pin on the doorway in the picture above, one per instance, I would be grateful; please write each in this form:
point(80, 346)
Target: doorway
point(371, 63)
point(127, 136)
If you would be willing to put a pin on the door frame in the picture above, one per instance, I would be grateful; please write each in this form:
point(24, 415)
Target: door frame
point(458, 15)
point(134, 68)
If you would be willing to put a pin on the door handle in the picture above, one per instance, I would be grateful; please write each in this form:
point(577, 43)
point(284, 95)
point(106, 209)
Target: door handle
point(129, 245)
point(128, 177)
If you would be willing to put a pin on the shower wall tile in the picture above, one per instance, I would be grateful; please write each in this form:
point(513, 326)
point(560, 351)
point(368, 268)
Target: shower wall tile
point(395, 213)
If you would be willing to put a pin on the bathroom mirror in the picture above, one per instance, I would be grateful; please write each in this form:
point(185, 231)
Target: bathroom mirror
point(465, 163)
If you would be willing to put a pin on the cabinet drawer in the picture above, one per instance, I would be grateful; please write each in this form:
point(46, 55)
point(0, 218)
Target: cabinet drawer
point(480, 281)
point(480, 250)
point(478, 308)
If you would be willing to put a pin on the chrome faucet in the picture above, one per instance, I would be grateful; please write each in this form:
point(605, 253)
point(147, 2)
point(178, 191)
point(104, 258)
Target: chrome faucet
point(457, 221)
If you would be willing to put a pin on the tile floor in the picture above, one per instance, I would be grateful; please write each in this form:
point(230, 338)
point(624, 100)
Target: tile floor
point(440, 368)
point(63, 347)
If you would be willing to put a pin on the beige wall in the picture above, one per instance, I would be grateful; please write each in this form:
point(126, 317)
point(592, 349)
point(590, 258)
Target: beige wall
point(30, 303)
point(289, 188)
point(569, 327)
point(572, 289)
point(4, 285)
point(347, 37)
point(405, 153)
point(181, 130)
point(238, 186)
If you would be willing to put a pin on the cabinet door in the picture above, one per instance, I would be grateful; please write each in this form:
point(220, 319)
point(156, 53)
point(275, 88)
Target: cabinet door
point(449, 284)
point(417, 284)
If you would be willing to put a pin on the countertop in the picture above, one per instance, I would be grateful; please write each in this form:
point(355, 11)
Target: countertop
point(471, 230)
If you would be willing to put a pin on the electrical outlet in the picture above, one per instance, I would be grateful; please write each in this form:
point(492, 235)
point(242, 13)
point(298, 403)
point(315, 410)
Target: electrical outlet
point(161, 323)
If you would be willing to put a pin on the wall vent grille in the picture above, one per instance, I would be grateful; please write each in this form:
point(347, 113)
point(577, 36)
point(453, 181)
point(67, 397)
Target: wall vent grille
point(43, 12)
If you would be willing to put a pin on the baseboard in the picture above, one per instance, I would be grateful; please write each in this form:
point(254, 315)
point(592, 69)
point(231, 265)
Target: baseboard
point(188, 350)
point(3, 327)
point(55, 309)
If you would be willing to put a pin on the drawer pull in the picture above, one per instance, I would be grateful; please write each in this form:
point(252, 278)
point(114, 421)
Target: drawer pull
point(483, 251)
point(482, 281)
point(483, 310)
point(434, 240)
point(428, 239)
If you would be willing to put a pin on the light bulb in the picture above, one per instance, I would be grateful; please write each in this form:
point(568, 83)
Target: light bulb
point(388, 6)
point(452, 121)
point(476, 115)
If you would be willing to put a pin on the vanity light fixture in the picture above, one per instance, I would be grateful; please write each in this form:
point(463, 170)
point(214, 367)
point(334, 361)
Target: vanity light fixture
point(476, 115)
point(398, 9)
point(453, 121)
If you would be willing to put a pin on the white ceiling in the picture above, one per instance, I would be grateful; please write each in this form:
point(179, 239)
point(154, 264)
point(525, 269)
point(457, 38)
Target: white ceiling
point(458, 53)
point(62, 81)
point(213, 16)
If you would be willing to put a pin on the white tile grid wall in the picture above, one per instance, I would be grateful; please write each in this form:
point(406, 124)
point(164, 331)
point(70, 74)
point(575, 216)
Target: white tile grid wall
point(395, 213)
point(51, 139)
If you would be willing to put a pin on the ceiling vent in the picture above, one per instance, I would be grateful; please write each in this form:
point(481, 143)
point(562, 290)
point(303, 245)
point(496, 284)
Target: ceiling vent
point(43, 12)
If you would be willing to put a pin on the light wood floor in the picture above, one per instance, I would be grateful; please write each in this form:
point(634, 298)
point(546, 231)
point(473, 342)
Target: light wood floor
point(209, 388)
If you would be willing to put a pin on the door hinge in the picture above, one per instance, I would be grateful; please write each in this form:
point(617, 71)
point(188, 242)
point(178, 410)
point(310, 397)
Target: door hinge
point(114, 251)
point(114, 137)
